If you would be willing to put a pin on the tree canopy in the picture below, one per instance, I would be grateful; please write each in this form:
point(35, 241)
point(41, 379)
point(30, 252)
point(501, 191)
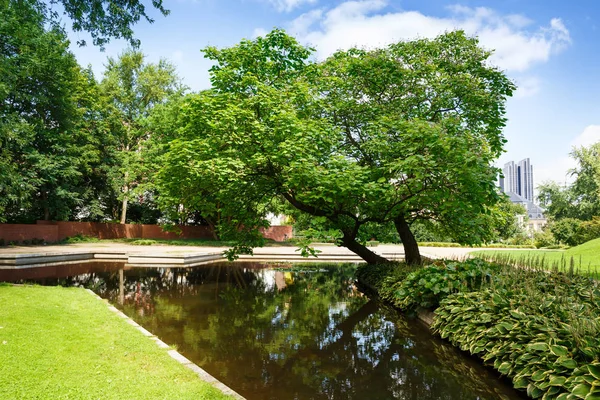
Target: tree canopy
point(391, 135)
point(581, 199)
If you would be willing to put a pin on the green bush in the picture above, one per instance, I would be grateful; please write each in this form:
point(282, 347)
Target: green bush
point(427, 286)
point(543, 239)
point(79, 238)
point(2, 242)
point(520, 239)
point(589, 230)
point(143, 242)
point(439, 244)
point(540, 329)
point(566, 231)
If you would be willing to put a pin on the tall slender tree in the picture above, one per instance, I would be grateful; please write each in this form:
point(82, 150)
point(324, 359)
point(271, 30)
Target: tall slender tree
point(134, 88)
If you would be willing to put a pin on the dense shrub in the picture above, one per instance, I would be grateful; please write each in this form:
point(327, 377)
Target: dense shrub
point(427, 286)
point(589, 230)
point(79, 238)
point(541, 330)
point(544, 239)
point(566, 231)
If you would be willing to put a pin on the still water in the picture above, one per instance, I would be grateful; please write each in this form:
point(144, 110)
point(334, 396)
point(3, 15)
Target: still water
point(285, 331)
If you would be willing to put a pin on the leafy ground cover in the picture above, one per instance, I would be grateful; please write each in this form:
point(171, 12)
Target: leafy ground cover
point(541, 329)
point(584, 258)
point(59, 343)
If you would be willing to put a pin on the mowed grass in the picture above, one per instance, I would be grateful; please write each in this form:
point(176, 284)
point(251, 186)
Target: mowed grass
point(64, 343)
point(584, 256)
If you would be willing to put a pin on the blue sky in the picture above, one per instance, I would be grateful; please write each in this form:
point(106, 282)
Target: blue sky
point(550, 48)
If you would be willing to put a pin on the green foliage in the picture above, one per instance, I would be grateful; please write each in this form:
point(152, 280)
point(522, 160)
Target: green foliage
point(566, 231)
point(540, 329)
point(79, 238)
point(439, 244)
point(426, 287)
point(589, 230)
point(544, 239)
point(102, 19)
point(143, 242)
point(383, 279)
point(337, 145)
point(133, 89)
point(580, 200)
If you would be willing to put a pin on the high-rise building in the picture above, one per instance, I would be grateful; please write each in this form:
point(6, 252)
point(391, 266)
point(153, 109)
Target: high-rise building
point(518, 178)
point(525, 171)
point(511, 178)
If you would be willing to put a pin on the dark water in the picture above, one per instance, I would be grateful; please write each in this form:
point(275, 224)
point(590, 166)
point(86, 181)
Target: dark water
point(289, 332)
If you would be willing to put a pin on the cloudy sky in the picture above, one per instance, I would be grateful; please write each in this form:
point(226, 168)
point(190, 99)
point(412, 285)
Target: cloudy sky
point(550, 48)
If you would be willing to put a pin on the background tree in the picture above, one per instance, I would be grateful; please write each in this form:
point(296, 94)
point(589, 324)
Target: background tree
point(102, 19)
point(134, 88)
point(581, 199)
point(393, 135)
point(46, 114)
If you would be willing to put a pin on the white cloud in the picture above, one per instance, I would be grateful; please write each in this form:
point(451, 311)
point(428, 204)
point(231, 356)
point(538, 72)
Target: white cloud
point(301, 25)
point(516, 44)
point(589, 136)
point(289, 5)
point(558, 169)
point(527, 86)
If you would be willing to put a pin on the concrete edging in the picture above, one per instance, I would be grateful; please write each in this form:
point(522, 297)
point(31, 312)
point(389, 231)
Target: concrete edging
point(202, 374)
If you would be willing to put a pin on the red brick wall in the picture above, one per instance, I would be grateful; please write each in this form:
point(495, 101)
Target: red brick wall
point(52, 231)
point(99, 230)
point(20, 232)
point(277, 233)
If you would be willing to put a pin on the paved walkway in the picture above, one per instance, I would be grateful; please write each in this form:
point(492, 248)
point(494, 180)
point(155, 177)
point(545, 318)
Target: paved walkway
point(445, 252)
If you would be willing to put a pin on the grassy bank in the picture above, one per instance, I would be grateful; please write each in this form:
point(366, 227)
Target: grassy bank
point(541, 330)
point(59, 343)
point(585, 256)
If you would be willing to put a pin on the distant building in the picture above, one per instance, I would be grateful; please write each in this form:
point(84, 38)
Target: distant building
point(518, 178)
point(517, 183)
point(534, 213)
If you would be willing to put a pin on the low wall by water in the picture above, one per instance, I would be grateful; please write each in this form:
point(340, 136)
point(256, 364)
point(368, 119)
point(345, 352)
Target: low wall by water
point(54, 231)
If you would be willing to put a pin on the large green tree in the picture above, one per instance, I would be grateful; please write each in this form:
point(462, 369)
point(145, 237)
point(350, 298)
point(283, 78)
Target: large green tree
point(47, 112)
point(392, 135)
point(134, 88)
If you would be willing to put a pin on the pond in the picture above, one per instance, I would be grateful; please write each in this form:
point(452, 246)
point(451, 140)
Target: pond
point(285, 331)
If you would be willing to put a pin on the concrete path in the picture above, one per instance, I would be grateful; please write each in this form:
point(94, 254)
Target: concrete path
point(112, 247)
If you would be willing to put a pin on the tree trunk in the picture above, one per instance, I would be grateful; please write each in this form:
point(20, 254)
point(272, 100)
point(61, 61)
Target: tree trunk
point(124, 209)
point(362, 251)
point(124, 204)
point(411, 248)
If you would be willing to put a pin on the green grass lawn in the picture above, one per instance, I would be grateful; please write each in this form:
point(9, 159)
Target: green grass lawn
point(63, 343)
point(584, 255)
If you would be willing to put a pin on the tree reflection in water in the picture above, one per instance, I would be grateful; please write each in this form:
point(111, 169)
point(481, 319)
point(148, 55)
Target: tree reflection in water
point(296, 333)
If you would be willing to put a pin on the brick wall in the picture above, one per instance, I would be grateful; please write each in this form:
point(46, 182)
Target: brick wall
point(52, 231)
point(20, 232)
point(277, 233)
